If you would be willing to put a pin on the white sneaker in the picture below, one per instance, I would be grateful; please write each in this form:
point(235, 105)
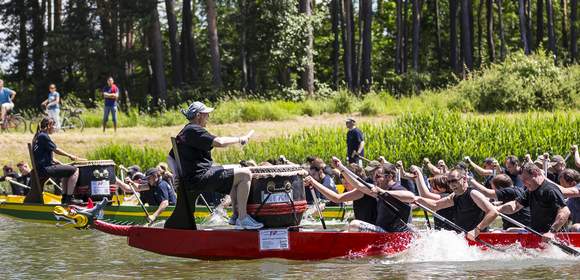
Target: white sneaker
point(248, 223)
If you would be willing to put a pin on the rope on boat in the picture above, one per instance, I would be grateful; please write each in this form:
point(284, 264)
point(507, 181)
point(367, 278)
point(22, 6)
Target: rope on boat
point(105, 227)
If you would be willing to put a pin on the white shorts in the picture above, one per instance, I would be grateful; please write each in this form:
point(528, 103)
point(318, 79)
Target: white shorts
point(7, 106)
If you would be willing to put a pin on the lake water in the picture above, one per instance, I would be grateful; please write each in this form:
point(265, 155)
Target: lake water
point(38, 251)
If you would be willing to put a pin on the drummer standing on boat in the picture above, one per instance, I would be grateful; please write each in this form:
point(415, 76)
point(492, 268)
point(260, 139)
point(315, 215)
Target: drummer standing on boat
point(355, 144)
point(548, 209)
point(195, 143)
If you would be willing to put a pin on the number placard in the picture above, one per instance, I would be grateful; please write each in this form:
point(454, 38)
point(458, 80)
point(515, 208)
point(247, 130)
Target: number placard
point(100, 187)
point(274, 239)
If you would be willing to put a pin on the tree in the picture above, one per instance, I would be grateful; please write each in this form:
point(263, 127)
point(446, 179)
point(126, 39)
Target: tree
point(573, 34)
point(453, 35)
point(366, 16)
point(308, 72)
point(466, 43)
point(38, 37)
point(347, 43)
point(523, 29)
point(539, 22)
point(176, 67)
point(188, 49)
point(23, 40)
point(489, 20)
point(502, 49)
point(399, 49)
point(334, 18)
point(551, 33)
point(159, 88)
point(214, 44)
point(564, 9)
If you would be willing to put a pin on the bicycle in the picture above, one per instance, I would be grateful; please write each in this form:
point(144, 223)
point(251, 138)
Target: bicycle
point(14, 122)
point(71, 120)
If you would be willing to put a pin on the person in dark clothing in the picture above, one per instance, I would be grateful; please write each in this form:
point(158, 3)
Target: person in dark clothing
point(502, 189)
point(43, 149)
point(385, 185)
point(570, 187)
point(355, 143)
point(317, 172)
point(513, 170)
point(557, 165)
point(488, 171)
point(472, 210)
point(548, 210)
point(440, 189)
point(198, 174)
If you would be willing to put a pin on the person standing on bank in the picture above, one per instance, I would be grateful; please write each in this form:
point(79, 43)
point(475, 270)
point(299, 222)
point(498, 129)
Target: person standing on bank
point(52, 105)
point(355, 144)
point(111, 94)
point(194, 144)
point(6, 101)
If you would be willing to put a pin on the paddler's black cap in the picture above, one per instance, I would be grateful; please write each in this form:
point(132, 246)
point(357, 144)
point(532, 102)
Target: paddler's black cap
point(152, 172)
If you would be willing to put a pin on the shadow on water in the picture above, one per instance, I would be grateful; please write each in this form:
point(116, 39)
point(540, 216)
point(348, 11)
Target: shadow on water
point(32, 251)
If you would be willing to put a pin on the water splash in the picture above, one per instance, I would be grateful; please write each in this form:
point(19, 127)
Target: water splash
point(447, 246)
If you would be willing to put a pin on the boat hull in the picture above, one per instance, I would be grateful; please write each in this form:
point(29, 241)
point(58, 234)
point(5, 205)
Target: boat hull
point(222, 244)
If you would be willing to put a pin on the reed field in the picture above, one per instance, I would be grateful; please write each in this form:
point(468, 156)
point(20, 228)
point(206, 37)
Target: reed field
point(410, 138)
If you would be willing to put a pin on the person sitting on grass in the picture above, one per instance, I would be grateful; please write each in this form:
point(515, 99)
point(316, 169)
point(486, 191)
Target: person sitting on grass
point(502, 189)
point(570, 187)
point(48, 166)
point(155, 192)
point(194, 144)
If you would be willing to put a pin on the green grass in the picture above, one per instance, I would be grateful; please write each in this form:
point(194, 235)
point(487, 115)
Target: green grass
point(437, 135)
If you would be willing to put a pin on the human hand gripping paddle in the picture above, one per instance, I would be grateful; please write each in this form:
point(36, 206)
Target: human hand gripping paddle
point(562, 246)
point(147, 216)
point(308, 182)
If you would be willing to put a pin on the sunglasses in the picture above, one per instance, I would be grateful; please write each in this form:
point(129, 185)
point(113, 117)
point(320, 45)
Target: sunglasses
point(454, 180)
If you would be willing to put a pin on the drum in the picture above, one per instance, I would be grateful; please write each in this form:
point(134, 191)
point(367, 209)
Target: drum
point(277, 197)
point(96, 179)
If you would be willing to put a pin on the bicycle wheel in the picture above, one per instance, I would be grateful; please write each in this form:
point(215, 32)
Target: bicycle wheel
point(16, 124)
point(73, 123)
point(34, 124)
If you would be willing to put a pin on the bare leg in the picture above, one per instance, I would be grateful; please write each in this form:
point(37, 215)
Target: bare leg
point(71, 182)
point(3, 117)
point(233, 197)
point(241, 188)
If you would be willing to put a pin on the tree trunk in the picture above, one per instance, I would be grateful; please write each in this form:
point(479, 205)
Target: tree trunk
point(366, 75)
point(353, 48)
point(453, 34)
point(159, 88)
point(416, 32)
point(38, 36)
point(551, 33)
point(347, 43)
point(564, 9)
point(399, 38)
point(57, 14)
point(573, 34)
point(188, 51)
point(334, 17)
point(49, 24)
point(23, 41)
point(479, 32)
point(308, 73)
point(466, 43)
point(438, 32)
point(243, 39)
point(490, 42)
point(529, 22)
point(502, 50)
point(405, 34)
point(523, 31)
point(214, 44)
point(539, 23)
point(176, 67)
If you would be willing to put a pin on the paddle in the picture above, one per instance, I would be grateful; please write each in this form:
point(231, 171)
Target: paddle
point(149, 221)
point(563, 247)
point(315, 198)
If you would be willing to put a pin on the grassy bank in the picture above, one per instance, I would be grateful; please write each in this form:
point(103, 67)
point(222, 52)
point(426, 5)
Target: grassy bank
point(448, 136)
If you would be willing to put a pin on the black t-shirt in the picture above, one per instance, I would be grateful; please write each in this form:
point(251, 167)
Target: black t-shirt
point(516, 180)
point(195, 144)
point(388, 219)
point(365, 209)
point(353, 139)
point(447, 213)
point(43, 148)
point(509, 194)
point(544, 204)
point(466, 212)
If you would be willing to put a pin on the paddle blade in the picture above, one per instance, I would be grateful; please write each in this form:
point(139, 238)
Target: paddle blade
point(565, 248)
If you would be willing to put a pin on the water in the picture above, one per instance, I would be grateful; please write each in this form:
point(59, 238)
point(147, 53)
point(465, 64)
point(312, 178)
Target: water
point(33, 251)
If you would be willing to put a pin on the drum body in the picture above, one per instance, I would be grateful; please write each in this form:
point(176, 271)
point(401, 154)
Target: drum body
point(96, 179)
point(277, 197)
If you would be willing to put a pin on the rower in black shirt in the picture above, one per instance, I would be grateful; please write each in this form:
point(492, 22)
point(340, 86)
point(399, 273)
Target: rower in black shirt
point(502, 189)
point(472, 210)
point(440, 189)
point(388, 220)
point(548, 209)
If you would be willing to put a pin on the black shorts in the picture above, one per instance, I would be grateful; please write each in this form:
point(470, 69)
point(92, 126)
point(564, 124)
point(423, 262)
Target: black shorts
point(60, 171)
point(216, 179)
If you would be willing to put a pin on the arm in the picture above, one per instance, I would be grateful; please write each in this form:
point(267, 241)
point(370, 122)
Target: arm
point(576, 155)
point(61, 152)
point(12, 95)
point(480, 170)
point(432, 168)
point(360, 147)
point(561, 218)
point(422, 186)
point(436, 205)
point(403, 196)
point(570, 192)
point(56, 101)
point(510, 207)
point(228, 141)
point(44, 103)
point(159, 210)
point(332, 196)
point(489, 193)
point(351, 180)
point(484, 204)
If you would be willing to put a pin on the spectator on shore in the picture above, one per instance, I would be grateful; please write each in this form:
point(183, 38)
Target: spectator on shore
point(355, 144)
point(52, 105)
point(111, 94)
point(6, 102)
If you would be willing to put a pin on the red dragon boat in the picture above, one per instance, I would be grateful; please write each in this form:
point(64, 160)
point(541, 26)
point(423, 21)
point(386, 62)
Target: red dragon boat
point(287, 243)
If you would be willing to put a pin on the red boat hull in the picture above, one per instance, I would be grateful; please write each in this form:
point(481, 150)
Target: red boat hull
point(302, 245)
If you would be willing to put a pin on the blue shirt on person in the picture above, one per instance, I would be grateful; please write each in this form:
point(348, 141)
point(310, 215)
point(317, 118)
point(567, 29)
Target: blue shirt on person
point(52, 96)
point(5, 94)
point(354, 138)
point(111, 102)
point(574, 206)
point(154, 196)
